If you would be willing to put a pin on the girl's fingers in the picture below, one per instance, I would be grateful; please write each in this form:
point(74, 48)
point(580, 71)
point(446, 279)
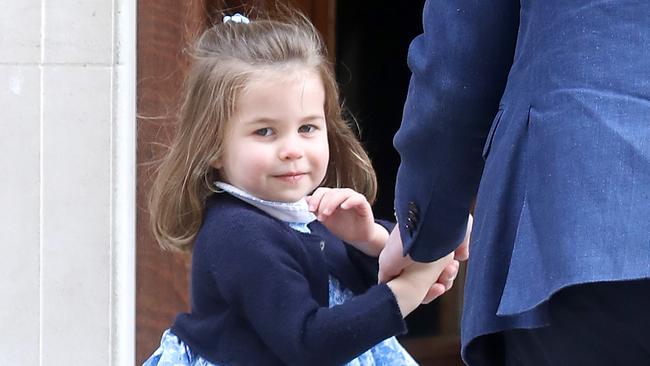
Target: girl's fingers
point(315, 199)
point(331, 202)
point(325, 201)
point(434, 292)
point(448, 275)
point(445, 282)
point(358, 203)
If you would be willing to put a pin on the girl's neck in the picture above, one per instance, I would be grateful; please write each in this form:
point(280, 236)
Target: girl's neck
point(292, 212)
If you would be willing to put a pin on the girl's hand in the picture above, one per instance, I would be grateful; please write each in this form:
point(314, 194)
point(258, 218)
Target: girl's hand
point(348, 215)
point(415, 281)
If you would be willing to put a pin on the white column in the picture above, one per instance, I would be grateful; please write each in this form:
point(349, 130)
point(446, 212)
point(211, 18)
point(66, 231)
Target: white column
point(20, 183)
point(67, 151)
point(124, 183)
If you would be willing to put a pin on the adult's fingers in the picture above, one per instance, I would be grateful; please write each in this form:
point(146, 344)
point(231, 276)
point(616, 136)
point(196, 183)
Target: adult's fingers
point(462, 252)
point(391, 260)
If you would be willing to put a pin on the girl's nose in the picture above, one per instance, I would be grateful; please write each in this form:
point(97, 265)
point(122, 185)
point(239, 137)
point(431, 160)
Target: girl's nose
point(291, 150)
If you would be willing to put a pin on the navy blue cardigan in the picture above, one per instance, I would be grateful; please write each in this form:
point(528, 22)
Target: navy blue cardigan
point(260, 293)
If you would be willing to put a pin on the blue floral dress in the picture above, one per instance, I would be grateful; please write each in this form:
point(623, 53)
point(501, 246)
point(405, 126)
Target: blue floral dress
point(174, 352)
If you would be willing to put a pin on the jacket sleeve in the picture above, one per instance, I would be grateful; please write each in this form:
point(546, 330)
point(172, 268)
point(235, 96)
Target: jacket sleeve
point(459, 68)
point(264, 278)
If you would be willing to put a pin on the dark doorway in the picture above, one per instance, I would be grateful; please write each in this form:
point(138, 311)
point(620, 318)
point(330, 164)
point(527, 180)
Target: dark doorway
point(371, 47)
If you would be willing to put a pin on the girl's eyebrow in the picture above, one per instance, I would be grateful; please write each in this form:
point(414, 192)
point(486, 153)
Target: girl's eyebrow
point(261, 120)
point(313, 117)
point(265, 120)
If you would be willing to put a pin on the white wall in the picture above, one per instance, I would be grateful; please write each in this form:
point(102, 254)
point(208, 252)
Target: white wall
point(67, 184)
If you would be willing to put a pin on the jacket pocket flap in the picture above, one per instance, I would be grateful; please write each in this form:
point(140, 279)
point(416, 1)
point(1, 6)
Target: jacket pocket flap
point(490, 136)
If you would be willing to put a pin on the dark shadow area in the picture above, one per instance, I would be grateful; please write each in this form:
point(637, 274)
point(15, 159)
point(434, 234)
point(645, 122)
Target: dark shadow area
point(371, 47)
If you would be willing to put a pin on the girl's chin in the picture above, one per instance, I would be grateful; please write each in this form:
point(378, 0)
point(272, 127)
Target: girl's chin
point(288, 196)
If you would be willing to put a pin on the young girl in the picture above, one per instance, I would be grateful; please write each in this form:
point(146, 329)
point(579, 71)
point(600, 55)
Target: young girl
point(273, 282)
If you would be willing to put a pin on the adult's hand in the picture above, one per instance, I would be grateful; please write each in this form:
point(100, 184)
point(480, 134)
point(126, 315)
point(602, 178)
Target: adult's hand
point(448, 276)
point(391, 263)
point(462, 252)
point(391, 260)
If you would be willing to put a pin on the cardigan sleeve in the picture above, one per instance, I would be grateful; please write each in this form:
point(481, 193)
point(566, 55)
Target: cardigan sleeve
point(264, 277)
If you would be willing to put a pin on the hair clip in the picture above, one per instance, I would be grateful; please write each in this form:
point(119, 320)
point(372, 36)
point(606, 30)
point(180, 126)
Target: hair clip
point(237, 18)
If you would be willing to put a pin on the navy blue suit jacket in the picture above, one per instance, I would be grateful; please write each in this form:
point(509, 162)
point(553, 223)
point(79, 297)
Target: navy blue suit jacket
point(260, 293)
point(539, 109)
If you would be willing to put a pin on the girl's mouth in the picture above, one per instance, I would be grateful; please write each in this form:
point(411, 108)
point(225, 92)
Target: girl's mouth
point(290, 177)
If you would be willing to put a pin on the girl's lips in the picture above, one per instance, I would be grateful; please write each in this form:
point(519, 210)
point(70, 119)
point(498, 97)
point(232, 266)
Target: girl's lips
point(290, 177)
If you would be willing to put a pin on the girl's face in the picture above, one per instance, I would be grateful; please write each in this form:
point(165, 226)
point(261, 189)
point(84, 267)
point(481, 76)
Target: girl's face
point(276, 145)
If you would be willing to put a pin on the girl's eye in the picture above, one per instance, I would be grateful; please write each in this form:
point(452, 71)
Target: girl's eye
point(307, 128)
point(264, 132)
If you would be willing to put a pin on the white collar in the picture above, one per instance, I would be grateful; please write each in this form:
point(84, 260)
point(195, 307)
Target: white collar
point(293, 212)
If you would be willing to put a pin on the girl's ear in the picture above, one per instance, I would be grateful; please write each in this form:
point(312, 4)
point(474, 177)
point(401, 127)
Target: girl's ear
point(217, 164)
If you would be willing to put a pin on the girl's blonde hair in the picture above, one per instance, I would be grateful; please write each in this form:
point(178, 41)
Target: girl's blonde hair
point(225, 58)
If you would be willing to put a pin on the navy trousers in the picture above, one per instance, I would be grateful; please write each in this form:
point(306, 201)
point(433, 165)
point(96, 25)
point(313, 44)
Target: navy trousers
point(606, 323)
